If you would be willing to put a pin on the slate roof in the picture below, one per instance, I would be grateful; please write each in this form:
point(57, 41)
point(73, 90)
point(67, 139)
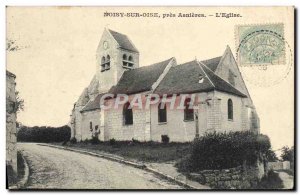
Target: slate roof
point(140, 79)
point(93, 105)
point(184, 79)
point(212, 63)
point(220, 84)
point(123, 41)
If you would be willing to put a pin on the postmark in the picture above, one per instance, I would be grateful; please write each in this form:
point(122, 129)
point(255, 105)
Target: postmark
point(264, 56)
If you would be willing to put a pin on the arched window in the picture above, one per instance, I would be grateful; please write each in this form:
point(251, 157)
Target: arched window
point(103, 60)
point(230, 109)
point(162, 113)
point(91, 125)
point(127, 61)
point(102, 64)
point(130, 63)
point(127, 114)
point(188, 110)
point(107, 62)
point(124, 60)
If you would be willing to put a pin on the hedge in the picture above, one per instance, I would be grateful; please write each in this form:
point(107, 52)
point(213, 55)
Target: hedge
point(225, 150)
point(44, 134)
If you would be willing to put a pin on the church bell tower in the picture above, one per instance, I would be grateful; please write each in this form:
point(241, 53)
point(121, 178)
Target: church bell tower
point(115, 54)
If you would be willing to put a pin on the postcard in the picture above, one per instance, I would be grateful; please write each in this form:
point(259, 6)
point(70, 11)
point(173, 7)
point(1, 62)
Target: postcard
point(150, 98)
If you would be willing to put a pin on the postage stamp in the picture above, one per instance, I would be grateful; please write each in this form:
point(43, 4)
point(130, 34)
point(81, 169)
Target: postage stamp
point(261, 45)
point(263, 51)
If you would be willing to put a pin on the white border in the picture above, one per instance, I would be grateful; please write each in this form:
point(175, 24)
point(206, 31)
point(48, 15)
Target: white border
point(5, 3)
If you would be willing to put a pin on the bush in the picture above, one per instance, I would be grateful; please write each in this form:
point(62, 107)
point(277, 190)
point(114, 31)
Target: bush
point(73, 140)
point(288, 155)
point(225, 150)
point(112, 141)
point(95, 140)
point(44, 134)
point(165, 139)
point(134, 141)
point(270, 181)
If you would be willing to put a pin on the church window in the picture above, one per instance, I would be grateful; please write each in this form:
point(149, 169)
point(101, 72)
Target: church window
point(91, 125)
point(124, 60)
point(230, 109)
point(188, 111)
point(127, 62)
point(107, 66)
point(130, 61)
point(162, 113)
point(103, 64)
point(127, 114)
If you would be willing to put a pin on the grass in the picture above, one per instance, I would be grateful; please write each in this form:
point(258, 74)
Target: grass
point(141, 151)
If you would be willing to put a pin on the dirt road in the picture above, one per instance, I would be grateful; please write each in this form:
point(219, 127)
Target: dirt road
point(52, 168)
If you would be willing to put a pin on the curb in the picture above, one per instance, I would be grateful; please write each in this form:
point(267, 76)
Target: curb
point(24, 181)
point(126, 162)
point(25, 178)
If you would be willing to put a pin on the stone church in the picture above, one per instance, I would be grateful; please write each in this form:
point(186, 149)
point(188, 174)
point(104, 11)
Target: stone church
point(225, 103)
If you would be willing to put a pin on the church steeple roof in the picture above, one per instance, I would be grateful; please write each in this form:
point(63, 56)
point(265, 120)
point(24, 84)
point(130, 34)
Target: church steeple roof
point(123, 41)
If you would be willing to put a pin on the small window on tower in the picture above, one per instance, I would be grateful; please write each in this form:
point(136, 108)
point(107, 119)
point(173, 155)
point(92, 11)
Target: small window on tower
point(102, 64)
point(107, 66)
point(124, 60)
point(127, 62)
point(130, 61)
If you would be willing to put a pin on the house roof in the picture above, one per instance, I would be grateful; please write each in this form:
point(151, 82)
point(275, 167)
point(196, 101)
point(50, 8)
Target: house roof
point(83, 98)
point(139, 79)
point(184, 78)
point(94, 104)
point(220, 84)
point(212, 63)
point(123, 41)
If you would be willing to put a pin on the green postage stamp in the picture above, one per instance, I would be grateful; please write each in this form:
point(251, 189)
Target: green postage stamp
point(260, 45)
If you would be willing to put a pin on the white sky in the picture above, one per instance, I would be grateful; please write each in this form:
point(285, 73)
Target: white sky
point(59, 58)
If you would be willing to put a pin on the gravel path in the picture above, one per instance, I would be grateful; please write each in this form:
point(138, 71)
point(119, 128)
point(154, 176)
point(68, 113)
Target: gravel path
point(52, 168)
point(288, 180)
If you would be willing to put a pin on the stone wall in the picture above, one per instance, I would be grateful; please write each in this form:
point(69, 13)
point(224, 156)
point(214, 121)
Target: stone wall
point(114, 127)
point(279, 165)
point(11, 129)
point(233, 178)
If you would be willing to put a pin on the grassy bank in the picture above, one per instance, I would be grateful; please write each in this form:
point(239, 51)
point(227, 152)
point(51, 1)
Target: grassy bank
point(141, 151)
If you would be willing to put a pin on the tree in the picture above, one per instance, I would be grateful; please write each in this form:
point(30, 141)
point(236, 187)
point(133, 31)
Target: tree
point(287, 153)
point(19, 103)
point(271, 156)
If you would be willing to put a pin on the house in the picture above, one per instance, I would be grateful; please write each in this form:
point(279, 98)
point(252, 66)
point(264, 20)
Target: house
point(210, 95)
